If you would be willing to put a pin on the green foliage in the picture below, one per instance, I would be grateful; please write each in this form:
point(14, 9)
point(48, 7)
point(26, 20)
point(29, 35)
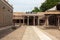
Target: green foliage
point(48, 4)
point(35, 9)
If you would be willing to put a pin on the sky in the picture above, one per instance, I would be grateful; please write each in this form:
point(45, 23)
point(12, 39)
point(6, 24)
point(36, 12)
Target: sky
point(25, 5)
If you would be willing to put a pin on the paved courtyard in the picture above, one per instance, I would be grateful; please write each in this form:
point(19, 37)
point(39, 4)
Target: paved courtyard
point(29, 33)
point(54, 31)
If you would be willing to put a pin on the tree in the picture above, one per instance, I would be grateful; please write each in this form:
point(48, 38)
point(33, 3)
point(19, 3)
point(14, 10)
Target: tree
point(35, 9)
point(48, 4)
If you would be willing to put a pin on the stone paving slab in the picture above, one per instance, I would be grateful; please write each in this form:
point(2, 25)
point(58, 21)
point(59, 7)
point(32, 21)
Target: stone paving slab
point(30, 34)
point(51, 32)
point(15, 35)
point(54, 32)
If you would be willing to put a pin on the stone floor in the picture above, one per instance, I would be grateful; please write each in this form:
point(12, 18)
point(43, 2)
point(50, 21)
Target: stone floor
point(29, 33)
point(52, 31)
point(15, 35)
point(5, 31)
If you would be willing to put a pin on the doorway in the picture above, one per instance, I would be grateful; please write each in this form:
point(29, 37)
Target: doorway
point(31, 20)
point(53, 20)
point(36, 20)
point(25, 20)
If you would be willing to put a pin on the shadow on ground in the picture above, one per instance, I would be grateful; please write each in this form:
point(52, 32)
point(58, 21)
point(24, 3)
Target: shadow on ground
point(5, 32)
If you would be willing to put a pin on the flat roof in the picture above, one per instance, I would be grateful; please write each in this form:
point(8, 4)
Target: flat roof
point(52, 12)
point(37, 14)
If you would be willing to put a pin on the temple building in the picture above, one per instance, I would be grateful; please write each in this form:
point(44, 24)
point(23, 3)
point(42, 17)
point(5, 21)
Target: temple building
point(27, 19)
point(47, 18)
point(6, 13)
point(40, 18)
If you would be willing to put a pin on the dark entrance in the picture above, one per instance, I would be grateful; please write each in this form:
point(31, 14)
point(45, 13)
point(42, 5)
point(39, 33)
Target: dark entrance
point(36, 20)
point(16, 20)
point(31, 20)
point(21, 20)
point(53, 20)
point(25, 20)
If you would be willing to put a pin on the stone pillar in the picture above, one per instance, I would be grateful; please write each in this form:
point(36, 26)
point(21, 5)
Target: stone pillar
point(19, 21)
point(23, 20)
point(38, 21)
point(34, 21)
point(58, 23)
point(28, 20)
point(47, 21)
